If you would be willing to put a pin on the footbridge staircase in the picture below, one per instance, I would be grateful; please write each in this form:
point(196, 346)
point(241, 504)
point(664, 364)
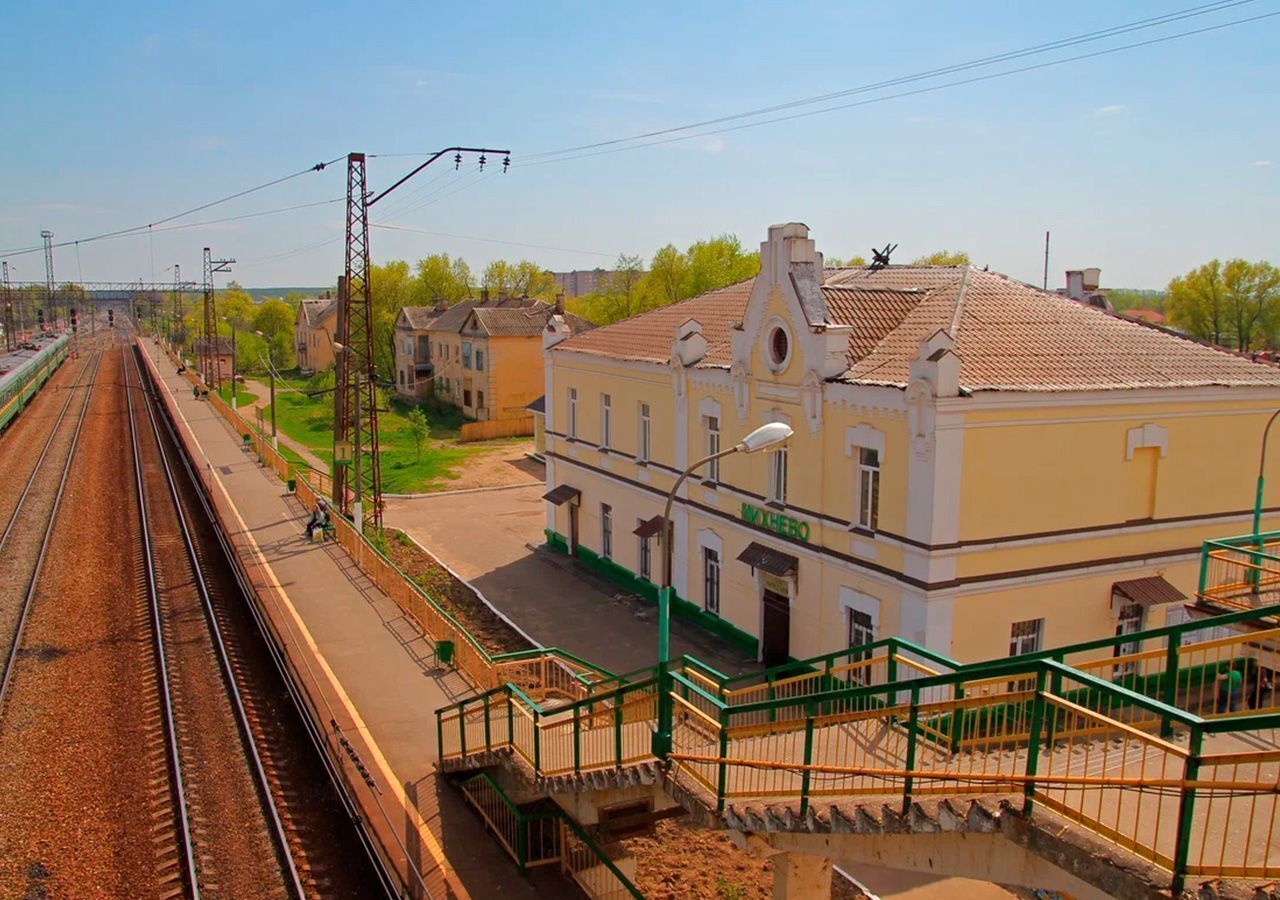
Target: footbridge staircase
point(1110, 768)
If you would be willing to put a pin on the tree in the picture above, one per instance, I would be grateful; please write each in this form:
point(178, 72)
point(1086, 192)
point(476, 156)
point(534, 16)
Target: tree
point(718, 262)
point(237, 308)
point(942, 258)
point(522, 279)
point(667, 274)
point(1253, 302)
point(439, 277)
point(274, 320)
point(851, 262)
point(419, 429)
point(1197, 302)
point(392, 288)
point(624, 295)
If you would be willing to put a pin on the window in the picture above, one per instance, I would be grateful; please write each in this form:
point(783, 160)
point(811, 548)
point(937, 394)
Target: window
point(778, 476)
point(466, 354)
point(409, 373)
point(713, 446)
point(646, 556)
point(606, 531)
point(711, 580)
point(606, 420)
point(424, 348)
point(862, 631)
point(573, 412)
point(642, 449)
point(479, 399)
point(868, 488)
point(1025, 637)
point(466, 396)
point(779, 347)
point(479, 360)
point(402, 378)
point(1129, 621)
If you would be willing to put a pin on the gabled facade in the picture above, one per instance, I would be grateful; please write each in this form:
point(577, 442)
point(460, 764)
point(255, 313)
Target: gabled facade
point(415, 369)
point(977, 465)
point(314, 330)
point(487, 355)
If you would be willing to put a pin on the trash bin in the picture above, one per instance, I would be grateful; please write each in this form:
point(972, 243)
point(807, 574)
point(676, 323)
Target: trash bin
point(444, 652)
point(292, 484)
point(246, 438)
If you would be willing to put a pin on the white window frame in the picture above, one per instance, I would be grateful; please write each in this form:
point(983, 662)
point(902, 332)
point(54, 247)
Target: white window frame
point(1130, 619)
point(860, 630)
point(1018, 646)
point(711, 571)
point(645, 434)
point(606, 421)
point(479, 360)
point(712, 424)
point(573, 412)
point(868, 488)
point(778, 476)
point(606, 531)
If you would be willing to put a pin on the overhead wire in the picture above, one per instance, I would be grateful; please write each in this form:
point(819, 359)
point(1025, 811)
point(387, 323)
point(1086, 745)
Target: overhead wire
point(916, 92)
point(318, 167)
point(1075, 40)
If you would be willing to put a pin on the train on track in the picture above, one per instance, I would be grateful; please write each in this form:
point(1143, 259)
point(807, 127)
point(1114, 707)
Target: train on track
point(25, 370)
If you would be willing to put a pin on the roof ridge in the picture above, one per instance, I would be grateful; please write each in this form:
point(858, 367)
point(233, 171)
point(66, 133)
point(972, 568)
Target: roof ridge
point(954, 328)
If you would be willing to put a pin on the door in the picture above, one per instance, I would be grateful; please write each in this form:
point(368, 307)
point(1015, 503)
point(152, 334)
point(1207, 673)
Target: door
point(573, 529)
point(775, 638)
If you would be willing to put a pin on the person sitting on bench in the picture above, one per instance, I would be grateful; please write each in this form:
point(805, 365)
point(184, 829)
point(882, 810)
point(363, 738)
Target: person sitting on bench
point(319, 519)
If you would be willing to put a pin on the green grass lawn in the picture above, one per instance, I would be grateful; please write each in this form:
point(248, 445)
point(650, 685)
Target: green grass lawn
point(243, 398)
point(309, 421)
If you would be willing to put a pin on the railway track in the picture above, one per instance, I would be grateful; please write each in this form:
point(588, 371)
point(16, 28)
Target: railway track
point(218, 776)
point(24, 543)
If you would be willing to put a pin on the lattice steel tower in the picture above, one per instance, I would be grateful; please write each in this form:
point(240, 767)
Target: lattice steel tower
point(209, 366)
point(47, 237)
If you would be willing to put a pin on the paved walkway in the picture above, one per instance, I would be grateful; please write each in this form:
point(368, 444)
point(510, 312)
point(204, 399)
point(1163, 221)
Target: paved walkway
point(493, 539)
point(360, 655)
point(263, 400)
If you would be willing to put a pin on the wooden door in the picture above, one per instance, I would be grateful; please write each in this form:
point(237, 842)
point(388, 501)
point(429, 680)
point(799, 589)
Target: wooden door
point(775, 638)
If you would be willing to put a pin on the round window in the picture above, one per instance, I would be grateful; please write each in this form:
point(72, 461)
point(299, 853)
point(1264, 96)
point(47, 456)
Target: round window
point(779, 346)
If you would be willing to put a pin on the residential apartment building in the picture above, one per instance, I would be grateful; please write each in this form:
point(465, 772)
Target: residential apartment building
point(977, 465)
point(581, 281)
point(414, 367)
point(314, 330)
point(487, 354)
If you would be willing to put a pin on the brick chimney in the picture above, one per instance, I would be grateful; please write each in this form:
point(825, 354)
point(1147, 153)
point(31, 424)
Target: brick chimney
point(560, 304)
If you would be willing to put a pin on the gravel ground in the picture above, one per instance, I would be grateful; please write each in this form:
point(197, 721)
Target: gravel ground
point(77, 748)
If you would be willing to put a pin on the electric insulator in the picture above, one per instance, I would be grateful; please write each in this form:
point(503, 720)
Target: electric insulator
point(506, 162)
point(457, 161)
point(483, 160)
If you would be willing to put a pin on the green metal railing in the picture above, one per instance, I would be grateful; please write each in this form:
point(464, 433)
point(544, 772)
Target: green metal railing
point(895, 719)
point(547, 837)
point(1240, 571)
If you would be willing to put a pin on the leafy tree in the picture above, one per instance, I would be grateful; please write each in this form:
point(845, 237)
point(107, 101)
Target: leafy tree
point(1236, 303)
point(667, 274)
point(522, 279)
point(837, 262)
point(942, 258)
point(237, 308)
point(393, 288)
point(717, 262)
point(419, 429)
point(624, 293)
point(438, 276)
point(273, 317)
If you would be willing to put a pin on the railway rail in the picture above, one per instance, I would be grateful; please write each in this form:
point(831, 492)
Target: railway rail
point(21, 566)
point(202, 725)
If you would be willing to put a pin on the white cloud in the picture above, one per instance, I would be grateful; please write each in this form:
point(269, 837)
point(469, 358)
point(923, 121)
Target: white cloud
point(1261, 163)
point(1111, 109)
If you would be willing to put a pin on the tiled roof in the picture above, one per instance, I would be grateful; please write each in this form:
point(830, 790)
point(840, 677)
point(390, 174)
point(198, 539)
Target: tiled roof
point(314, 312)
point(420, 318)
point(1008, 335)
point(456, 316)
point(648, 336)
point(523, 322)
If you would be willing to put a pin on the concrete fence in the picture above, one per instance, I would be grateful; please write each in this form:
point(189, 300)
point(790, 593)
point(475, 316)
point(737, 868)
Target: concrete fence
point(496, 428)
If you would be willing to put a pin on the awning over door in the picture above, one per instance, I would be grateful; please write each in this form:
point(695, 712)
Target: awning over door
point(649, 528)
point(562, 494)
point(1148, 591)
point(767, 559)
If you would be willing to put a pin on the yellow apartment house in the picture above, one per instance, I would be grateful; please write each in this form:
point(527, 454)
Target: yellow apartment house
point(314, 329)
point(977, 465)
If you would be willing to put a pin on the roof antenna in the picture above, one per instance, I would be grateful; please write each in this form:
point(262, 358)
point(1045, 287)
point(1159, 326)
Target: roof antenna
point(880, 258)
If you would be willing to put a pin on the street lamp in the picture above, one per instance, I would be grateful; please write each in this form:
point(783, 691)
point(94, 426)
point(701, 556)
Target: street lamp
point(1257, 500)
point(232, 326)
point(767, 437)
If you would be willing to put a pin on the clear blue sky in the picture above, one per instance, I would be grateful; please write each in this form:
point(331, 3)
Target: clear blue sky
point(1145, 163)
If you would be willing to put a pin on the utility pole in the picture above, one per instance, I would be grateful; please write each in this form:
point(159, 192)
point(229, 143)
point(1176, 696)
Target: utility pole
point(47, 236)
point(355, 404)
point(173, 322)
point(209, 368)
point(9, 342)
point(1046, 260)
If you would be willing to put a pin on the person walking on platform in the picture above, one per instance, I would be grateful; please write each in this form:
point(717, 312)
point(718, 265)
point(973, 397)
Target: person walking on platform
point(319, 519)
point(1230, 689)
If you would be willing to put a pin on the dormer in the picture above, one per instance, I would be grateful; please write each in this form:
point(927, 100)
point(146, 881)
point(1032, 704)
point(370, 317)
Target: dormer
point(938, 363)
point(556, 331)
point(689, 345)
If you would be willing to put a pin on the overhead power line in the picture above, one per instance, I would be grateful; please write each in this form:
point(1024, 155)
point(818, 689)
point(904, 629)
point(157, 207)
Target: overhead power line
point(139, 229)
point(632, 141)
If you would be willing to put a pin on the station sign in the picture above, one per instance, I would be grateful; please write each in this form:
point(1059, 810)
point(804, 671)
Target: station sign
point(779, 523)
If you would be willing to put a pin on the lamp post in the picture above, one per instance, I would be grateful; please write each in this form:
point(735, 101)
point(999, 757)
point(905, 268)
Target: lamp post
point(232, 326)
point(1257, 500)
point(767, 437)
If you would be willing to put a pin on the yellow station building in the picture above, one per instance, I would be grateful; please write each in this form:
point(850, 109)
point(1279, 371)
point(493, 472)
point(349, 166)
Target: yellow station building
point(977, 465)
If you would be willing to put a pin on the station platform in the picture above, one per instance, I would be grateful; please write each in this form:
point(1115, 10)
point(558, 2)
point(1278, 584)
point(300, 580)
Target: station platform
point(367, 665)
